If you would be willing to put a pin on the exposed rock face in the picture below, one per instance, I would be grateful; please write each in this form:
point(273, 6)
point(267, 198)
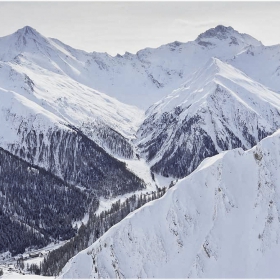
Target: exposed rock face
point(219, 109)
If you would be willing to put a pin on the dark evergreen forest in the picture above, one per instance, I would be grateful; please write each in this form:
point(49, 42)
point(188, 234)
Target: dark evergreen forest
point(77, 160)
point(96, 226)
point(39, 204)
point(36, 207)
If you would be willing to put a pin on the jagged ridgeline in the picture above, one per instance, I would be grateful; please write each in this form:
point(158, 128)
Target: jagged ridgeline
point(36, 206)
point(77, 160)
point(219, 109)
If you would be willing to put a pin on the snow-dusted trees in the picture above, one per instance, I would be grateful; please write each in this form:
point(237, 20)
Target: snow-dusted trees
point(97, 225)
point(35, 206)
point(77, 160)
point(45, 202)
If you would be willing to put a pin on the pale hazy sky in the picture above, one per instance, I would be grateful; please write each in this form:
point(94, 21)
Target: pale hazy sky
point(116, 27)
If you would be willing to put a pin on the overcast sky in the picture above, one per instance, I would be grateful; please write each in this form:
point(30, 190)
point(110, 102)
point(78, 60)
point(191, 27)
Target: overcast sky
point(116, 27)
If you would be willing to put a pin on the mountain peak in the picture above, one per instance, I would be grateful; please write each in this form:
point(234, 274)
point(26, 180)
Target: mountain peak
point(211, 69)
point(28, 31)
point(220, 32)
point(226, 34)
point(26, 39)
point(207, 82)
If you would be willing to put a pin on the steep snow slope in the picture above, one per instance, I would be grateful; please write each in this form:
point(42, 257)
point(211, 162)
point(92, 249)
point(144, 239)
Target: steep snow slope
point(260, 63)
point(39, 137)
point(220, 221)
point(41, 64)
point(72, 103)
point(139, 79)
point(219, 108)
point(56, 123)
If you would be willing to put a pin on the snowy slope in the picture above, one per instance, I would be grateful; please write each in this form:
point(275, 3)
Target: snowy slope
point(139, 79)
point(220, 221)
point(33, 75)
point(41, 137)
point(54, 122)
point(261, 63)
point(69, 130)
point(219, 108)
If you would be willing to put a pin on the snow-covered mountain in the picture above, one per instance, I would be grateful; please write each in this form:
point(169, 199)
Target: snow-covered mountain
point(219, 108)
point(261, 63)
point(222, 221)
point(75, 120)
point(35, 67)
point(62, 138)
point(47, 117)
point(139, 79)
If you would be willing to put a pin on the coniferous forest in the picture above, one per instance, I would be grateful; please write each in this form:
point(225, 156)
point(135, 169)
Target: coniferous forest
point(36, 207)
point(96, 226)
point(39, 205)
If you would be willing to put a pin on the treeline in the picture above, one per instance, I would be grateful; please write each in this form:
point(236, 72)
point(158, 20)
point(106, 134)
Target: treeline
point(77, 160)
point(110, 139)
point(96, 226)
point(35, 206)
point(38, 205)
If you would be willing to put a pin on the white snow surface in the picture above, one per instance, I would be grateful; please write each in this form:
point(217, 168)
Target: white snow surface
point(262, 63)
point(221, 221)
point(36, 92)
point(138, 79)
point(224, 98)
point(13, 275)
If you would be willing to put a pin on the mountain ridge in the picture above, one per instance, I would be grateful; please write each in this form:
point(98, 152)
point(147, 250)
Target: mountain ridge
point(219, 108)
point(79, 117)
point(221, 221)
point(150, 74)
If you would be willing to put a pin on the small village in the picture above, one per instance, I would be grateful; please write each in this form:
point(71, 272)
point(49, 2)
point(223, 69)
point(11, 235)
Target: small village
point(25, 263)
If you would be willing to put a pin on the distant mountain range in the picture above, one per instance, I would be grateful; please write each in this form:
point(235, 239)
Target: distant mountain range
point(89, 126)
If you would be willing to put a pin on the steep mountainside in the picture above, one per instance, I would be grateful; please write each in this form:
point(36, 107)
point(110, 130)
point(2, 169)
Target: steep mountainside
point(58, 141)
point(56, 123)
point(261, 63)
point(139, 79)
point(69, 102)
point(222, 221)
point(219, 108)
point(36, 207)
point(42, 138)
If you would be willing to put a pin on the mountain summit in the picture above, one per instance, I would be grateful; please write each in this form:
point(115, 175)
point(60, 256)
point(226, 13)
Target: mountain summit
point(222, 33)
point(24, 40)
point(218, 108)
point(28, 31)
